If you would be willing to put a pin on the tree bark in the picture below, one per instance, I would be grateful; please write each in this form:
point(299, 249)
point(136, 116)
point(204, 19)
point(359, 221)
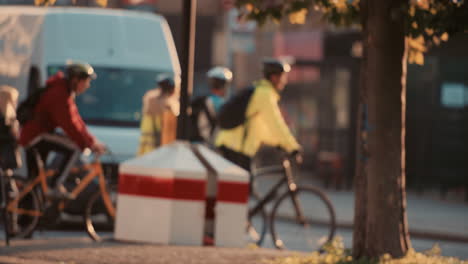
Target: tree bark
point(382, 228)
point(360, 189)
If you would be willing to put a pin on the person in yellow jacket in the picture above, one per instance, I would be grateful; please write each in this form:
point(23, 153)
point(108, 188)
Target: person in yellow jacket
point(264, 123)
point(159, 114)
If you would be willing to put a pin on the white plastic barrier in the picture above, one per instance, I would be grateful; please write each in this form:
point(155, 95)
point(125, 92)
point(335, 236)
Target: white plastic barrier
point(232, 193)
point(161, 197)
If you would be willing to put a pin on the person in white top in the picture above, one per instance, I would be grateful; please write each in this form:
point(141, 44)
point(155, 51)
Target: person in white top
point(205, 108)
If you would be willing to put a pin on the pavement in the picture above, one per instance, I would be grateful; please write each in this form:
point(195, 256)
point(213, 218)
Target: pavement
point(428, 216)
point(81, 250)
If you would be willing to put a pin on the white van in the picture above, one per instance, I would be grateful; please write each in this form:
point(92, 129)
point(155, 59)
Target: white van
point(127, 49)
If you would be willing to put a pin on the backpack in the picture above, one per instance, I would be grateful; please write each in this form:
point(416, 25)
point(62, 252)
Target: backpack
point(25, 110)
point(232, 113)
point(198, 105)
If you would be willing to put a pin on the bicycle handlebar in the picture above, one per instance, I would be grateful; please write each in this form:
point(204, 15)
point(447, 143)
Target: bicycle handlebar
point(295, 156)
point(97, 156)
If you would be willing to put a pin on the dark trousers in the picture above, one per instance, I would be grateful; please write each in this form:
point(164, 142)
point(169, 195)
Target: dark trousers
point(55, 152)
point(235, 157)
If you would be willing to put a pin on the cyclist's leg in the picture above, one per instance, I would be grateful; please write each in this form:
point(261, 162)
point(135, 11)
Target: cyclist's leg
point(70, 158)
point(235, 157)
point(31, 162)
point(67, 155)
point(256, 228)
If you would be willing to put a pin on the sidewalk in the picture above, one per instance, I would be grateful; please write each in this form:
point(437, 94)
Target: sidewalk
point(427, 217)
point(81, 250)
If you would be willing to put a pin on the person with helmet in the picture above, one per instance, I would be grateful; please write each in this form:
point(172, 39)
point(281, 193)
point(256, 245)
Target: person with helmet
point(205, 108)
point(159, 114)
point(264, 124)
point(56, 108)
point(219, 78)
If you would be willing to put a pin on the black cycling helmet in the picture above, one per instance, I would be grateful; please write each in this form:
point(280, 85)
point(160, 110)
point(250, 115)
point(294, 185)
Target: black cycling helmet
point(274, 66)
point(80, 70)
point(169, 79)
point(168, 82)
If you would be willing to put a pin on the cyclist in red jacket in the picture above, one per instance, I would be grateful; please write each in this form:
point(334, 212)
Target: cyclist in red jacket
point(56, 108)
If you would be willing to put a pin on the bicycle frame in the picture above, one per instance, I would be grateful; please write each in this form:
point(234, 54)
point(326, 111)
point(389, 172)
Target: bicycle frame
point(39, 180)
point(288, 179)
point(296, 211)
point(95, 170)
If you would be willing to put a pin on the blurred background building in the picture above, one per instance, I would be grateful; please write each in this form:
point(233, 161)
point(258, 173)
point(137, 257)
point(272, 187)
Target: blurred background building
point(320, 103)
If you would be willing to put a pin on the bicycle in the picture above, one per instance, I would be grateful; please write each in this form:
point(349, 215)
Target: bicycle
point(31, 202)
point(286, 211)
point(4, 201)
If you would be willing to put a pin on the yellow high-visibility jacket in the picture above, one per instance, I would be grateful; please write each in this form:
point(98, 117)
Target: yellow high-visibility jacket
point(158, 121)
point(150, 133)
point(264, 125)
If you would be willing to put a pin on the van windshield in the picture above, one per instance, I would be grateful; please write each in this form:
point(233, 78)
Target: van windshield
point(115, 97)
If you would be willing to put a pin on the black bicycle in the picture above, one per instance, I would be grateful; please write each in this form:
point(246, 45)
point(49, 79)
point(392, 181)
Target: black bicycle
point(301, 213)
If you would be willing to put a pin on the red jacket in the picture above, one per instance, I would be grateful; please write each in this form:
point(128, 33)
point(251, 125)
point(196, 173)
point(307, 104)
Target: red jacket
point(57, 108)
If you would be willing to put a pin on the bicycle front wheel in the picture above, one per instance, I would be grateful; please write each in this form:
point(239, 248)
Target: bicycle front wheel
point(99, 215)
point(303, 220)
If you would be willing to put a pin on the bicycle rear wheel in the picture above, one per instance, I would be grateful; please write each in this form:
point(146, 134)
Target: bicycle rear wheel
point(309, 232)
point(99, 222)
point(24, 217)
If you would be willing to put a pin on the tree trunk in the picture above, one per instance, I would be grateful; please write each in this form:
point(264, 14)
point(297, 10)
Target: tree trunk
point(360, 189)
point(384, 227)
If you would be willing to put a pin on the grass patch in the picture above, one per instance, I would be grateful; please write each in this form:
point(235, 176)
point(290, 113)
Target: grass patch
point(335, 253)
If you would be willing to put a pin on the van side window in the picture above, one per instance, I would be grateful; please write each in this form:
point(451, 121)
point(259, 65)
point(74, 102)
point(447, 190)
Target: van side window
point(454, 95)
